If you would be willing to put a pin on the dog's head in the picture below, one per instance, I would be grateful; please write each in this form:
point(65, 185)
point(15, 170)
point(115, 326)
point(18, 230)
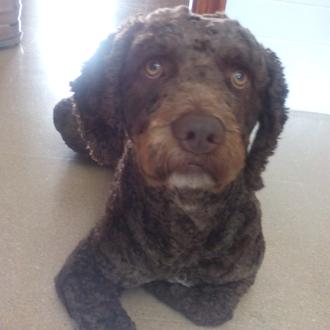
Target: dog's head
point(187, 90)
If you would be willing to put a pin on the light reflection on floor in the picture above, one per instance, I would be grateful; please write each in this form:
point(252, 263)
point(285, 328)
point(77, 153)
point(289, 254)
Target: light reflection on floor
point(68, 33)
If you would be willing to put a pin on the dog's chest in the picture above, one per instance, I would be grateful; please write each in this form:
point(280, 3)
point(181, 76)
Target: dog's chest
point(201, 216)
point(182, 281)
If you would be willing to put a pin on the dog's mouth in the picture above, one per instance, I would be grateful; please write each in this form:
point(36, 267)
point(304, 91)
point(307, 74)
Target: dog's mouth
point(191, 175)
point(190, 169)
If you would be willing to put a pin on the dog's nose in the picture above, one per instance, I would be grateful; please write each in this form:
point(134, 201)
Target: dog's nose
point(199, 134)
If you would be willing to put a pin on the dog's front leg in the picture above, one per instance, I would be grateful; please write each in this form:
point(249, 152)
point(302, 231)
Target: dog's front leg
point(91, 299)
point(205, 305)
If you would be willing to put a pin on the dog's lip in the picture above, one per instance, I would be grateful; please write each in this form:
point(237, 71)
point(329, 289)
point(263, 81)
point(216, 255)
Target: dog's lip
point(192, 169)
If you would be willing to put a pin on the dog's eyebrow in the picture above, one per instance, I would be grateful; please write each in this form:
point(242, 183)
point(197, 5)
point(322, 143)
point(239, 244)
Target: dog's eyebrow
point(236, 58)
point(149, 46)
point(151, 43)
point(236, 55)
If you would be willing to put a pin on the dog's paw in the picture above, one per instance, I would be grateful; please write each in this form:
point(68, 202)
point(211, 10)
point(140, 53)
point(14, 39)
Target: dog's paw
point(101, 322)
point(208, 317)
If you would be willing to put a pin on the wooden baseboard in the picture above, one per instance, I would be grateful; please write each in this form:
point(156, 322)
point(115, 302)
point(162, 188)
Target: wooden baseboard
point(208, 6)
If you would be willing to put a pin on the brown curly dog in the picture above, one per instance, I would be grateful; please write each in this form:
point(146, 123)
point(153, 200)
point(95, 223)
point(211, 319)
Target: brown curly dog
point(171, 100)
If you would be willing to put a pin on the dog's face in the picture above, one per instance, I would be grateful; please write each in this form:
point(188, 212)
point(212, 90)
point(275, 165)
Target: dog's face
point(191, 90)
point(190, 100)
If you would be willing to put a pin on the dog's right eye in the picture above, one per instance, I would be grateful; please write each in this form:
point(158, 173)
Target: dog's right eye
point(239, 79)
point(153, 69)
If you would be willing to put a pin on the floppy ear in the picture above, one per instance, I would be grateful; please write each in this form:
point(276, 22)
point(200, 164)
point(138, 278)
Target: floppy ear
point(96, 97)
point(271, 121)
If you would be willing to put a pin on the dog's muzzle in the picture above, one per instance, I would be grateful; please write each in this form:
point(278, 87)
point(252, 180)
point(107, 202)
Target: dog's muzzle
point(198, 134)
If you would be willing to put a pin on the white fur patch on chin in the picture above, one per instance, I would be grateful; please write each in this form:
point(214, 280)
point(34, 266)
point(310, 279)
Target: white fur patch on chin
point(192, 181)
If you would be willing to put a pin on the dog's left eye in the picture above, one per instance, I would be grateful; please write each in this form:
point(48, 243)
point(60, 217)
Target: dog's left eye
point(153, 69)
point(239, 79)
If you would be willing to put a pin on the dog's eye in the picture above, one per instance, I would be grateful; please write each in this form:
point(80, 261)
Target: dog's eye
point(239, 79)
point(153, 69)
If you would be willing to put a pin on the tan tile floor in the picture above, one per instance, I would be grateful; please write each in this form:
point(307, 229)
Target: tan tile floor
point(49, 199)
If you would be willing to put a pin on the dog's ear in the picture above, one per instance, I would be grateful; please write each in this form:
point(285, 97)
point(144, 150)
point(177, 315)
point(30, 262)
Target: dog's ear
point(271, 121)
point(96, 96)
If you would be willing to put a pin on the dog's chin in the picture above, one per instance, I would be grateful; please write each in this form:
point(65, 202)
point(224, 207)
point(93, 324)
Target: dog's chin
point(191, 177)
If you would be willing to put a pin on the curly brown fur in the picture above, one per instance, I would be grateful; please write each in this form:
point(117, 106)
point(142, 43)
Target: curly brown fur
point(66, 123)
point(182, 219)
